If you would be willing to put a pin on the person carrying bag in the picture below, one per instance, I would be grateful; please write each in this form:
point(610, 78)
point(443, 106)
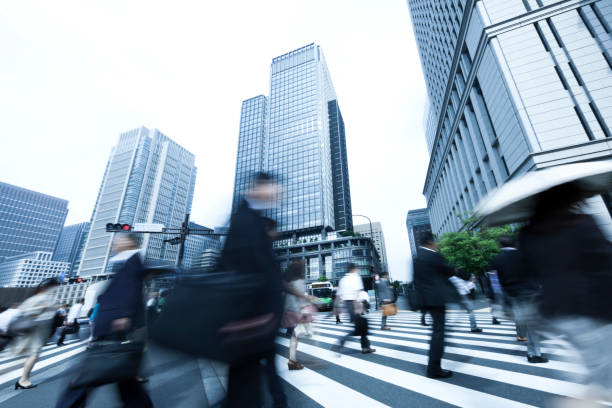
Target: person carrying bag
point(387, 300)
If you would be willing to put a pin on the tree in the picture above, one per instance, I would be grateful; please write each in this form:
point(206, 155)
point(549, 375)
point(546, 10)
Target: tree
point(470, 250)
point(322, 278)
point(397, 284)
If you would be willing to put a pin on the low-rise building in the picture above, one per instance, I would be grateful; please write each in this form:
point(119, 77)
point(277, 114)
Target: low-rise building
point(374, 231)
point(30, 269)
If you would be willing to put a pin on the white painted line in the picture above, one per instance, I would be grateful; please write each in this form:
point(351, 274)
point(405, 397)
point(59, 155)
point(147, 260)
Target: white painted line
point(5, 355)
point(15, 374)
point(57, 350)
point(323, 390)
point(440, 390)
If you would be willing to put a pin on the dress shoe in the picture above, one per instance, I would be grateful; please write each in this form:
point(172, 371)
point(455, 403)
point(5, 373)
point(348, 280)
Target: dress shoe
point(385, 328)
point(519, 338)
point(537, 359)
point(424, 324)
point(477, 330)
point(294, 365)
point(18, 386)
point(367, 350)
point(439, 374)
point(495, 321)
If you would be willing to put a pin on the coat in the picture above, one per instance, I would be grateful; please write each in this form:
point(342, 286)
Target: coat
point(510, 268)
point(41, 308)
point(431, 274)
point(569, 255)
point(122, 297)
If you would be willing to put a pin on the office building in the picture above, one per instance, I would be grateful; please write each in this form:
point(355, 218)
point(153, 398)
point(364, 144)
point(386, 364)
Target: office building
point(207, 260)
point(417, 223)
point(195, 245)
point(30, 269)
point(375, 232)
point(70, 245)
point(148, 179)
point(29, 221)
point(513, 86)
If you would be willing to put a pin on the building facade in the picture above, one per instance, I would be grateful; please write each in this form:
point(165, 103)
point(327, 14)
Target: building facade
point(513, 86)
point(70, 245)
point(148, 179)
point(375, 232)
point(417, 224)
point(195, 245)
point(29, 221)
point(30, 269)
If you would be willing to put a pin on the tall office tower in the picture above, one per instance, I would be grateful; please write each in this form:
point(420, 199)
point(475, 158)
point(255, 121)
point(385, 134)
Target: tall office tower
point(376, 233)
point(514, 86)
point(250, 157)
point(343, 213)
point(417, 223)
point(70, 244)
point(196, 245)
point(148, 179)
point(29, 221)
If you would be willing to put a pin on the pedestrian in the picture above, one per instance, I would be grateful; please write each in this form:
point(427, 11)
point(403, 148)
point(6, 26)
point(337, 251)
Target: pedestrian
point(39, 309)
point(364, 298)
point(431, 280)
point(152, 307)
point(349, 288)
point(71, 324)
point(523, 293)
point(248, 250)
point(120, 313)
point(297, 308)
point(423, 321)
point(494, 292)
point(7, 316)
point(463, 289)
point(386, 297)
point(337, 305)
point(569, 256)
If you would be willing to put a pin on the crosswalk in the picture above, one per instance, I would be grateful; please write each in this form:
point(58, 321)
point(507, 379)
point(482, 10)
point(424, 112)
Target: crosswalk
point(490, 368)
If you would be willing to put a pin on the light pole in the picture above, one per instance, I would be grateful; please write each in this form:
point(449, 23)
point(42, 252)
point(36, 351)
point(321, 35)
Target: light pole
point(369, 220)
point(372, 242)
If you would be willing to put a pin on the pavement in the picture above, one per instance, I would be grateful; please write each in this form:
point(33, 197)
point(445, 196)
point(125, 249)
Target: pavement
point(490, 370)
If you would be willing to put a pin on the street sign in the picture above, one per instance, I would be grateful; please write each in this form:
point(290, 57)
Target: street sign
point(143, 226)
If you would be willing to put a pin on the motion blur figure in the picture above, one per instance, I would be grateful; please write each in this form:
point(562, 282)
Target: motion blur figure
point(248, 250)
point(569, 255)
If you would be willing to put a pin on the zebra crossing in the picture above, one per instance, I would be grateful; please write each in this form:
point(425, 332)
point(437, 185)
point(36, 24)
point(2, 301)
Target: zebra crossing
point(490, 368)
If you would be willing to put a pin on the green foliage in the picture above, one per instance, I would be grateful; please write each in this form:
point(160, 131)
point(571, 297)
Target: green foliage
point(322, 278)
point(471, 251)
point(397, 284)
point(347, 233)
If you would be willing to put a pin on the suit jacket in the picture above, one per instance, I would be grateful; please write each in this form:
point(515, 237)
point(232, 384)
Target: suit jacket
point(510, 269)
point(431, 273)
point(248, 250)
point(122, 298)
point(569, 255)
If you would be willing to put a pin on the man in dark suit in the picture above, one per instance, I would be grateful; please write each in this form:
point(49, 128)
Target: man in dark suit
point(248, 250)
point(120, 313)
point(523, 293)
point(431, 274)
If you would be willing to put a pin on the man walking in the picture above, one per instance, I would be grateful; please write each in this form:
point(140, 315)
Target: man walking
point(71, 325)
point(463, 289)
point(431, 274)
point(523, 294)
point(386, 296)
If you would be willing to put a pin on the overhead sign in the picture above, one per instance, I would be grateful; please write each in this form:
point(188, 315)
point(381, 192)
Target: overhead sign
point(146, 227)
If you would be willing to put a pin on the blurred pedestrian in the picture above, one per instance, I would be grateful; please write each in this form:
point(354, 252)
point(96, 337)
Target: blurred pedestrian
point(337, 305)
point(349, 288)
point(385, 296)
point(119, 314)
point(431, 280)
point(152, 307)
point(71, 324)
point(463, 289)
point(523, 293)
point(248, 250)
point(571, 258)
point(7, 316)
point(39, 310)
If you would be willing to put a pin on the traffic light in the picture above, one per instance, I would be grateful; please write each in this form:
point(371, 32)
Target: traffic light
point(110, 227)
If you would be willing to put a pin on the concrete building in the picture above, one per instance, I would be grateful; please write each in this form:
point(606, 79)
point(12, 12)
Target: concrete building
point(417, 223)
point(513, 86)
point(71, 292)
point(207, 260)
point(196, 245)
point(29, 221)
point(30, 269)
point(148, 179)
point(70, 245)
point(377, 235)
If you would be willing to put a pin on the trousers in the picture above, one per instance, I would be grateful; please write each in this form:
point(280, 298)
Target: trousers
point(131, 393)
point(524, 310)
point(436, 345)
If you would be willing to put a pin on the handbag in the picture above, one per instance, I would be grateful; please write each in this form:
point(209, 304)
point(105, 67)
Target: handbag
point(106, 362)
point(22, 325)
point(389, 309)
point(219, 315)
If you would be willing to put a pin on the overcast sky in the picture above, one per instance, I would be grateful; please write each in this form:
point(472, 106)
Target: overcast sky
point(75, 74)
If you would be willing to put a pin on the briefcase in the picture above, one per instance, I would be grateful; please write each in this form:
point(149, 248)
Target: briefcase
point(414, 299)
point(390, 309)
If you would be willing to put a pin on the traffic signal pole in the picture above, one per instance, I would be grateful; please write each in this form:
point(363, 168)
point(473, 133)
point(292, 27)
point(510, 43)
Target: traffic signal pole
point(183, 237)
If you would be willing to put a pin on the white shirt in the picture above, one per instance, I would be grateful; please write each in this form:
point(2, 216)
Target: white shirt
point(74, 313)
point(7, 317)
point(461, 285)
point(350, 286)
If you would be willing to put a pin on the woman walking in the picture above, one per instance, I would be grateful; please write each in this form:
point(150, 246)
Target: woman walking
point(39, 309)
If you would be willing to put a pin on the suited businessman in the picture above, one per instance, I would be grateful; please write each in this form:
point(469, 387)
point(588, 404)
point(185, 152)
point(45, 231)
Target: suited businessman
point(431, 274)
point(120, 313)
point(248, 250)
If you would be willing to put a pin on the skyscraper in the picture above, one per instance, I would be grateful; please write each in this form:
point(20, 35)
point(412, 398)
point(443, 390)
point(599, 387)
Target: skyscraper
point(149, 178)
point(29, 221)
point(70, 244)
point(196, 245)
point(298, 134)
point(514, 86)
point(417, 224)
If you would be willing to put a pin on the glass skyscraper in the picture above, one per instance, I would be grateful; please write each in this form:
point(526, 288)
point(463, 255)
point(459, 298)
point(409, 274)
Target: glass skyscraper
point(148, 179)
point(513, 86)
point(195, 245)
point(70, 244)
point(417, 224)
point(29, 221)
point(299, 136)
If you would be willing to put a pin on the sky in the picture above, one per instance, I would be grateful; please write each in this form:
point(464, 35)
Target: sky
point(75, 74)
